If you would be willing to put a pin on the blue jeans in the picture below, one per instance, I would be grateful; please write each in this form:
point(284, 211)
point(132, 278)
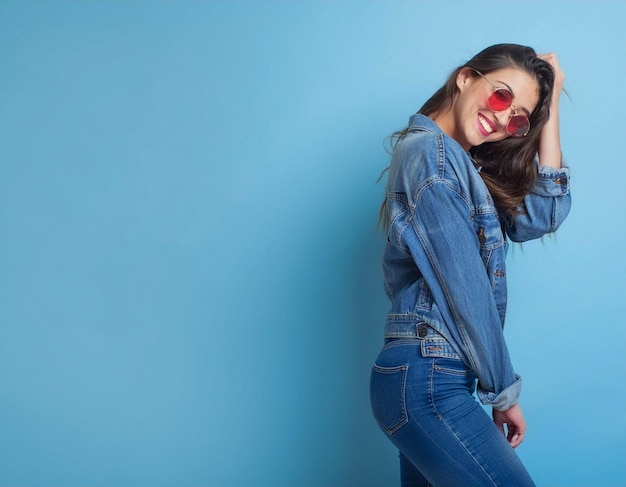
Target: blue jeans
point(422, 398)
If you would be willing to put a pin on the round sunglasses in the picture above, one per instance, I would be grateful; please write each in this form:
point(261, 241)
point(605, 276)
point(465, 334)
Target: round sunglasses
point(500, 100)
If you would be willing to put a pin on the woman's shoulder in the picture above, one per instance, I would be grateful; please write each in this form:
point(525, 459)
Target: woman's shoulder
point(434, 150)
point(417, 142)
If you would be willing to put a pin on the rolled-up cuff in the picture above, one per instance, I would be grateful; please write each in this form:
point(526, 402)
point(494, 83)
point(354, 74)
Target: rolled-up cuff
point(552, 181)
point(503, 401)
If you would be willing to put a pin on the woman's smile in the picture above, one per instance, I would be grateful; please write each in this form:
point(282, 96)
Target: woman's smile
point(486, 126)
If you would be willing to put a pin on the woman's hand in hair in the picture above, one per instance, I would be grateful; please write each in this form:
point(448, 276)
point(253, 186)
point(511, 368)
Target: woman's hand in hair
point(515, 424)
point(559, 76)
point(550, 139)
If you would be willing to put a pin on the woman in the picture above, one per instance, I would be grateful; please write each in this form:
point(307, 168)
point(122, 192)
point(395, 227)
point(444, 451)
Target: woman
point(479, 163)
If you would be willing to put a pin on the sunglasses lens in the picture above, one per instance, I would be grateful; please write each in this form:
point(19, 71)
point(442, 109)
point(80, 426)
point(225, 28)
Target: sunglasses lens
point(518, 126)
point(500, 100)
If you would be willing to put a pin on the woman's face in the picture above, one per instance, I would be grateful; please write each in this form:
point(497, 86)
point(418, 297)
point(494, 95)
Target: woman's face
point(473, 122)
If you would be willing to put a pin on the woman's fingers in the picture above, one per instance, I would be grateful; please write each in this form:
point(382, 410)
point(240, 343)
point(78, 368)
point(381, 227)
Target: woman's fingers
point(559, 76)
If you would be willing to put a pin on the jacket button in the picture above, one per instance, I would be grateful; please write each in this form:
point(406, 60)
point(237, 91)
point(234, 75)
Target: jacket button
point(422, 331)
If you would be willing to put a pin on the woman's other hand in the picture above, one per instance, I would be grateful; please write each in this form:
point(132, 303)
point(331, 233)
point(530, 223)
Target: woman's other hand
point(514, 420)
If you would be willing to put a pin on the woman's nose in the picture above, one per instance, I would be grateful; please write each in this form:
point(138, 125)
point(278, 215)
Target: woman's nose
point(503, 116)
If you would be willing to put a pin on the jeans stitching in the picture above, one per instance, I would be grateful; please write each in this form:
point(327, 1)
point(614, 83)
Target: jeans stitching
point(440, 417)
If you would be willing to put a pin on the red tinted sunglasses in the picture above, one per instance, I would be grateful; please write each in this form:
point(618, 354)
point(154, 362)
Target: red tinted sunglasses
point(500, 100)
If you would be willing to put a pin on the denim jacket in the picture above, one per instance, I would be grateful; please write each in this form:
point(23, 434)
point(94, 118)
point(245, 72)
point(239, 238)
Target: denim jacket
point(444, 261)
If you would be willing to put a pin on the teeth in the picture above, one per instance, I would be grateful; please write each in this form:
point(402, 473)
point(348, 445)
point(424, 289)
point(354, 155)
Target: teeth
point(485, 125)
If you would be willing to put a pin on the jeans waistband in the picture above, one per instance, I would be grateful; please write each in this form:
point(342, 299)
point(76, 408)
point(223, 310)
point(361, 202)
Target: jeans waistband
point(432, 343)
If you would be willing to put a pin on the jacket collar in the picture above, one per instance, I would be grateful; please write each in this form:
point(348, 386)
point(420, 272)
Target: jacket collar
point(423, 122)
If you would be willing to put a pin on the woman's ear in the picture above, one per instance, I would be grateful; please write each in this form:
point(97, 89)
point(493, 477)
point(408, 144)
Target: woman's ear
point(464, 78)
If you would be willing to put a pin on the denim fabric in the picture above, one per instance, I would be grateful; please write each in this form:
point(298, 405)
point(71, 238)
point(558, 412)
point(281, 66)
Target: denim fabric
point(444, 262)
point(422, 398)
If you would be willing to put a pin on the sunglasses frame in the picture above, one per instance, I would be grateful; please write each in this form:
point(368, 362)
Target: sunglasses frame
point(511, 105)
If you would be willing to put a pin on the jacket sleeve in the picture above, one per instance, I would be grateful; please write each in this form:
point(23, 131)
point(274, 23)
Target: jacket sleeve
point(445, 247)
point(545, 207)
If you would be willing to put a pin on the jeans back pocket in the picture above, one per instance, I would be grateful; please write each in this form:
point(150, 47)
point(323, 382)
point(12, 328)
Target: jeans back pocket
point(387, 395)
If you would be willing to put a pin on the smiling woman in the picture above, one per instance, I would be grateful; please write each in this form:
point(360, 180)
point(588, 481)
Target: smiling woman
point(492, 113)
point(463, 178)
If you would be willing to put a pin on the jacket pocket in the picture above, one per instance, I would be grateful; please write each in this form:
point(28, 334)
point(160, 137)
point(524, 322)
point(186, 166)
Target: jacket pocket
point(489, 234)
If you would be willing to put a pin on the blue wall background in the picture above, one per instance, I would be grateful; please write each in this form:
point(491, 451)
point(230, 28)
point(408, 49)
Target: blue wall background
point(190, 290)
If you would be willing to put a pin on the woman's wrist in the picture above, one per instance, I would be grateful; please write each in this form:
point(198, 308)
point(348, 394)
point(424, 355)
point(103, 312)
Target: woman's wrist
point(550, 144)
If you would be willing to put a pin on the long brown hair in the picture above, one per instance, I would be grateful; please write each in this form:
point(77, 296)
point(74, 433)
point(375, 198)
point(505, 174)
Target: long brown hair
point(507, 166)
